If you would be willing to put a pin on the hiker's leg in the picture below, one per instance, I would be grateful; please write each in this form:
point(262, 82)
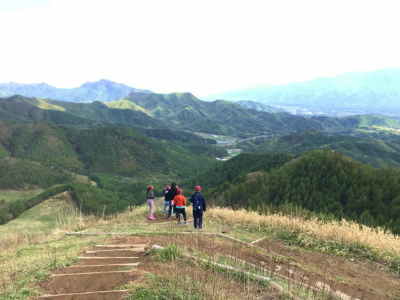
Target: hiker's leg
point(166, 204)
point(184, 214)
point(195, 218)
point(169, 211)
point(151, 207)
point(200, 215)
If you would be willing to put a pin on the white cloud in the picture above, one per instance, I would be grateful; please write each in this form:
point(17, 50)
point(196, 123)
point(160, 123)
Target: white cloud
point(197, 46)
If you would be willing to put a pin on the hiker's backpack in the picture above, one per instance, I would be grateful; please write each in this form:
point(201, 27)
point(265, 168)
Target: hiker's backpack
point(197, 202)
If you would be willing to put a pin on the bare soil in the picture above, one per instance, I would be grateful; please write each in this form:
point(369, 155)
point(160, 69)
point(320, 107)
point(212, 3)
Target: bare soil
point(352, 279)
point(357, 280)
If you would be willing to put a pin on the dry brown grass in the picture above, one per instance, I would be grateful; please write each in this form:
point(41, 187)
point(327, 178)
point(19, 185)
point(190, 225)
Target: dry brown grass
point(385, 243)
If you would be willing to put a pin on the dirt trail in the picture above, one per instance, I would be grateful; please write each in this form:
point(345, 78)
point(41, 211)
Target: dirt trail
point(349, 280)
point(99, 273)
point(344, 278)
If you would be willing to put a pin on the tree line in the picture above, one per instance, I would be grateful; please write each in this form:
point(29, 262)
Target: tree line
point(321, 181)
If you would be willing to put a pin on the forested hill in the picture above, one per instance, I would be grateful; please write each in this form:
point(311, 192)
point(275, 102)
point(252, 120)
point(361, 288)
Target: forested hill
point(374, 152)
point(240, 165)
point(114, 150)
point(223, 117)
point(219, 117)
point(142, 111)
point(74, 114)
point(321, 181)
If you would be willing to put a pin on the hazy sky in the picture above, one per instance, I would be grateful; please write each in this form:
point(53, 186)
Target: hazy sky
point(201, 47)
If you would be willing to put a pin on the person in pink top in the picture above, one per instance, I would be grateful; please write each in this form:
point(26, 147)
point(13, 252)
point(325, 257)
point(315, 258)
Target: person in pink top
point(150, 200)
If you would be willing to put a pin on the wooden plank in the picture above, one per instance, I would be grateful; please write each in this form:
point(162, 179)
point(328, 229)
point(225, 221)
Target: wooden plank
point(98, 233)
point(111, 250)
point(92, 273)
point(123, 246)
point(82, 257)
point(111, 265)
point(79, 294)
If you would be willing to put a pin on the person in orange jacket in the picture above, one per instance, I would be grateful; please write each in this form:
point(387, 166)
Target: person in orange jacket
point(180, 202)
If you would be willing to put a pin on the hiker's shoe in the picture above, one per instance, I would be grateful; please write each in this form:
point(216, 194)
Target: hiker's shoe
point(200, 228)
point(163, 214)
point(186, 223)
point(151, 218)
point(195, 228)
point(179, 223)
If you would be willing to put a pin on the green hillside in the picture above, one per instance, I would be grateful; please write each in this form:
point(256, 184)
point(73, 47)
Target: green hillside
point(183, 111)
point(228, 171)
point(84, 115)
point(321, 181)
point(124, 151)
point(97, 114)
point(370, 151)
point(219, 117)
point(42, 218)
point(114, 150)
point(43, 143)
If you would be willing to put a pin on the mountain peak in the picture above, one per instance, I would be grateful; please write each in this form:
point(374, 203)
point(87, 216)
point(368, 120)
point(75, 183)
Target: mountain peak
point(103, 90)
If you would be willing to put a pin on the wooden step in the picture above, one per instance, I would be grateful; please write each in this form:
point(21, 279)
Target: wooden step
point(95, 261)
point(110, 253)
point(123, 246)
point(102, 295)
point(93, 268)
point(88, 282)
point(134, 250)
point(92, 273)
point(107, 257)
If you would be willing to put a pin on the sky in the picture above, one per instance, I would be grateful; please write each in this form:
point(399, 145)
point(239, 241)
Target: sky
point(203, 47)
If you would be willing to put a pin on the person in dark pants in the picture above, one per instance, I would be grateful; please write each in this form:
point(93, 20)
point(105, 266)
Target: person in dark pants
point(180, 202)
point(166, 199)
point(171, 195)
point(199, 206)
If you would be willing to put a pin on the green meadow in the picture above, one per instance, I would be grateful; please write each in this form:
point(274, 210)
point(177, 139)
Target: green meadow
point(44, 217)
point(13, 195)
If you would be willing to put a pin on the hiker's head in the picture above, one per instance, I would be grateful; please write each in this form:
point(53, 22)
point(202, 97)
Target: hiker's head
point(197, 188)
point(150, 187)
point(179, 191)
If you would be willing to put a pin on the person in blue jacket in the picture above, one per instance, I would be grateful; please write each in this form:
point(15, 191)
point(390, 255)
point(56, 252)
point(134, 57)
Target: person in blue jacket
point(199, 206)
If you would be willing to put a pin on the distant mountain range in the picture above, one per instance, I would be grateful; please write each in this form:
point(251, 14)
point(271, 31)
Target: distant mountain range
point(357, 93)
point(143, 111)
point(102, 90)
point(376, 92)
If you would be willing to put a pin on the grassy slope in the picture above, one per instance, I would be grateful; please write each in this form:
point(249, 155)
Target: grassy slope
point(43, 218)
point(28, 251)
point(13, 195)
